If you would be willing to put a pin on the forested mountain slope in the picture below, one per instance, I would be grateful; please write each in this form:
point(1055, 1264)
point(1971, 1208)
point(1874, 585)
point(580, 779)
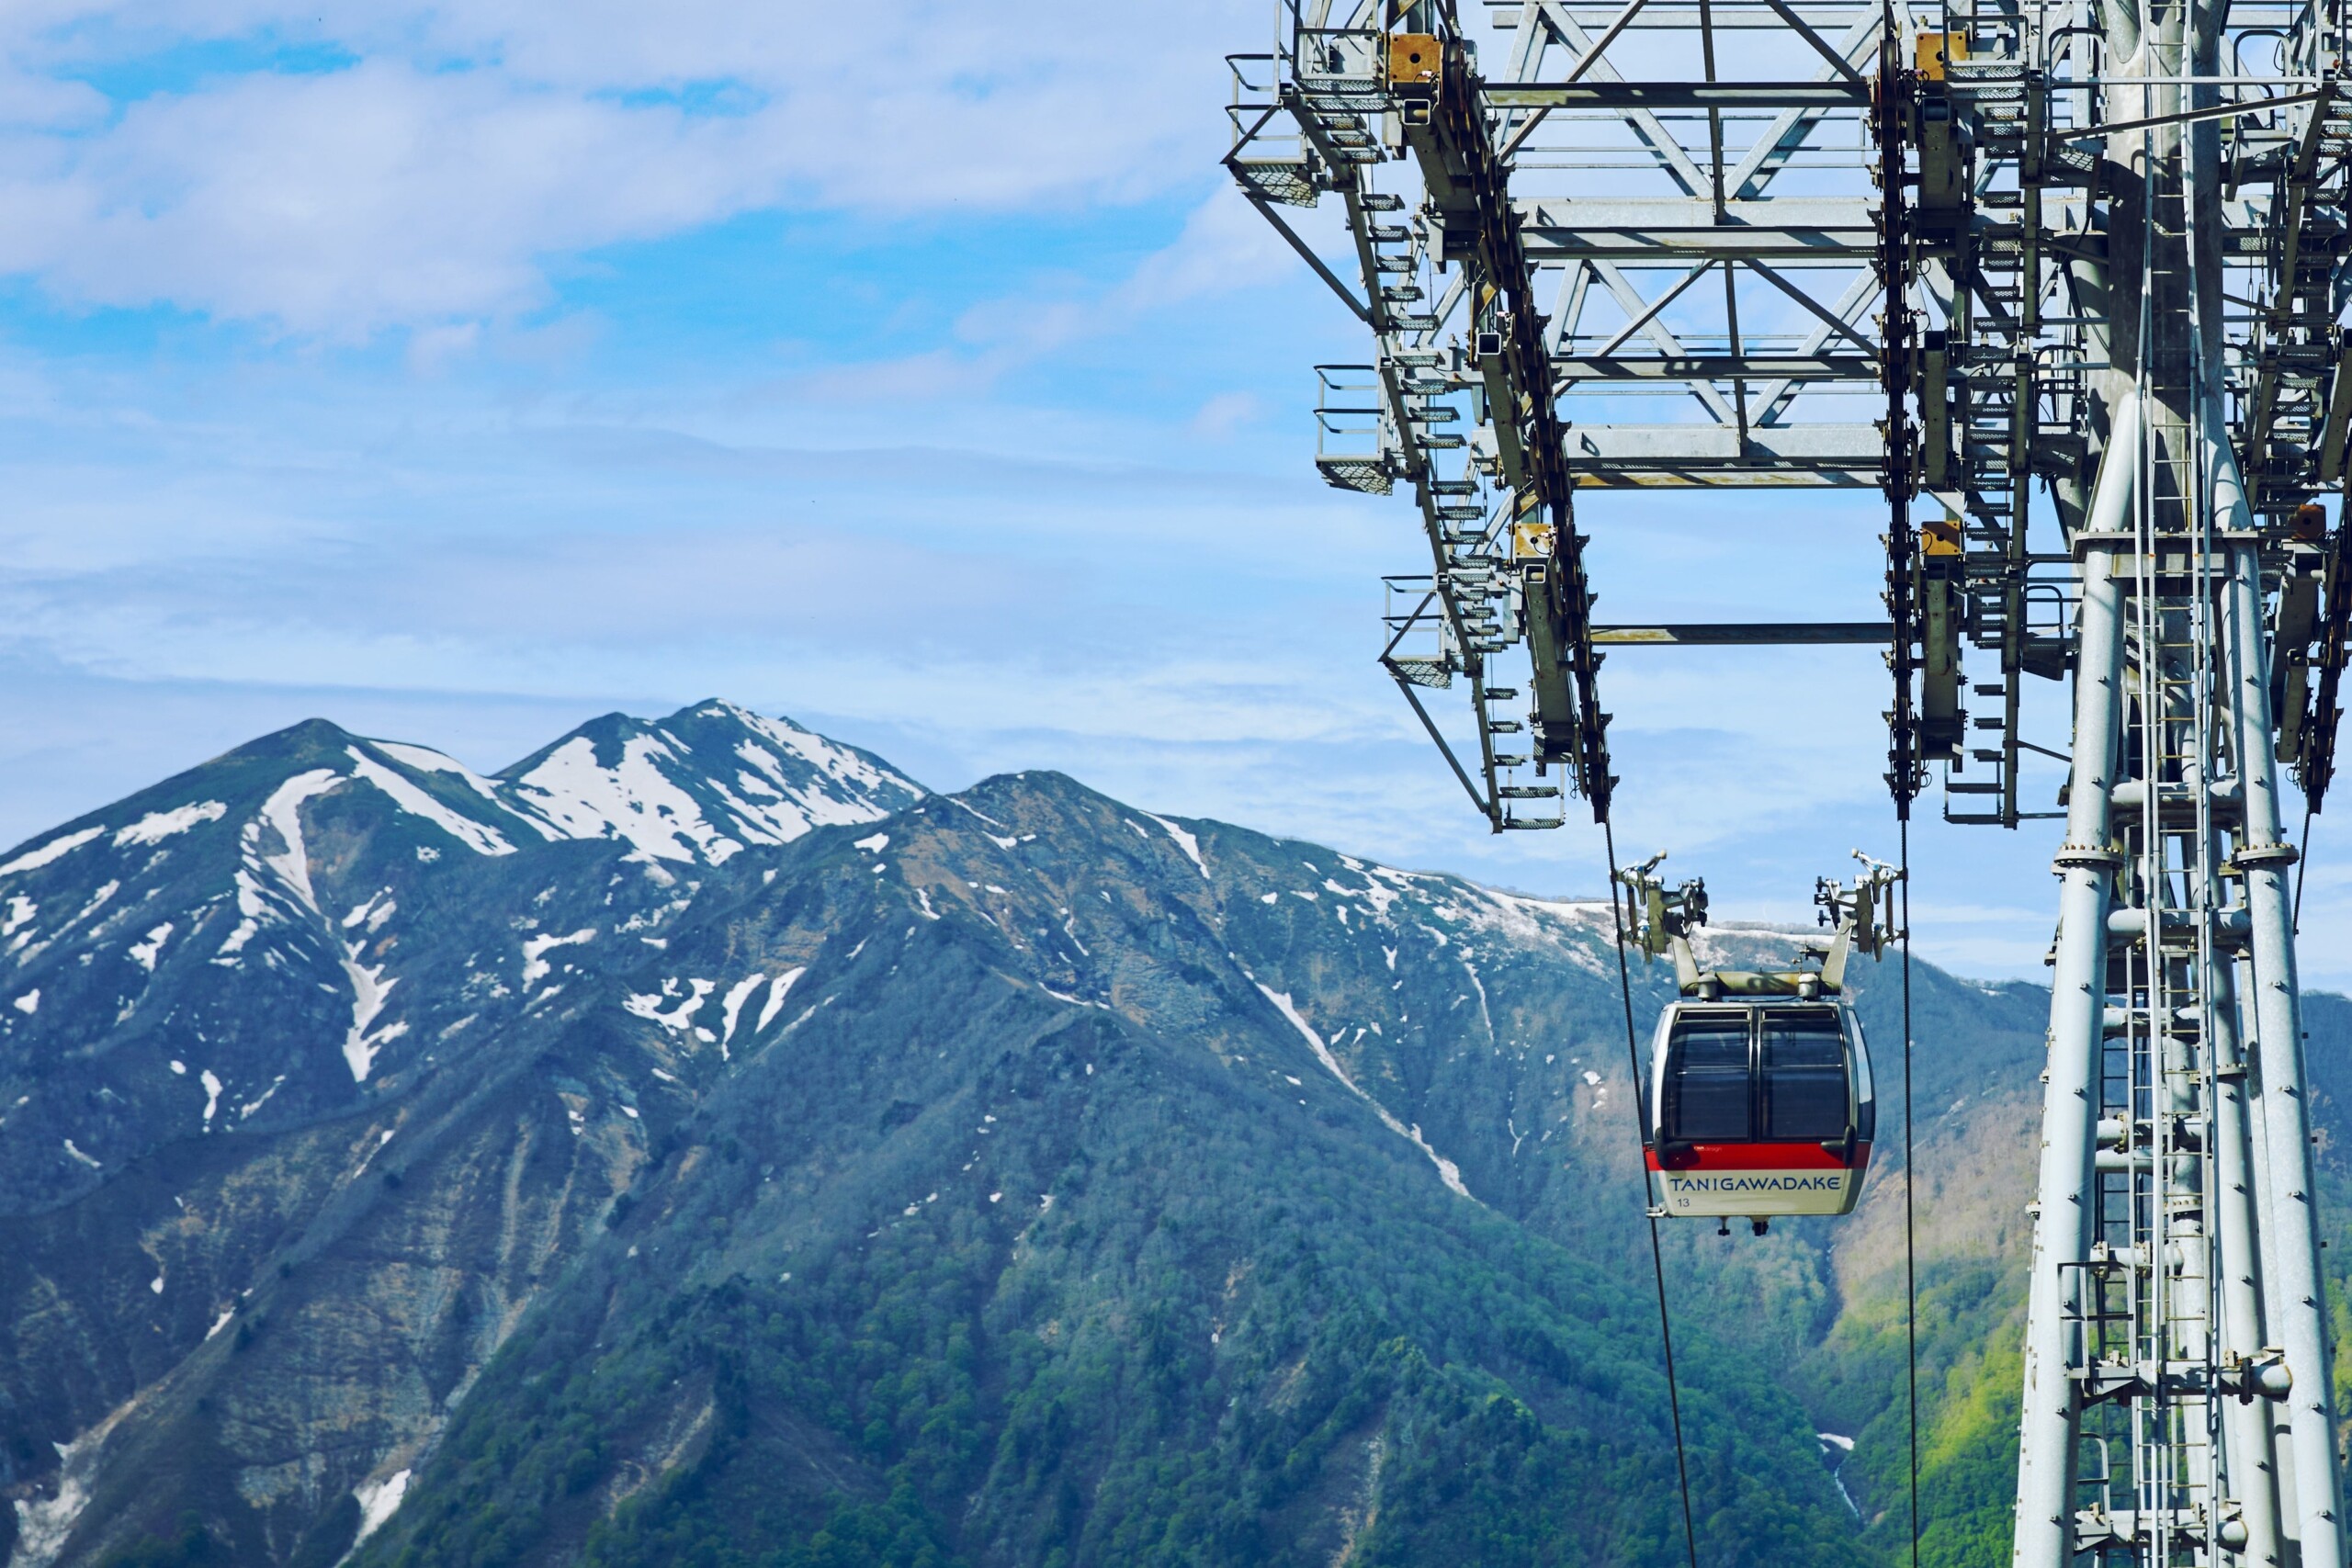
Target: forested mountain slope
point(697, 1144)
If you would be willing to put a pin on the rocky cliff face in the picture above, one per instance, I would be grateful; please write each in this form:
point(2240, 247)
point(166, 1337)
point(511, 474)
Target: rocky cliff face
point(698, 1140)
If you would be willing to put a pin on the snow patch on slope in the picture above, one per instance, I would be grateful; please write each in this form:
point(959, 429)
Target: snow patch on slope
point(283, 811)
point(1447, 1172)
point(373, 913)
point(535, 948)
point(778, 988)
point(802, 805)
point(157, 826)
point(1190, 843)
point(648, 1004)
point(423, 759)
point(475, 836)
point(144, 953)
point(369, 990)
point(33, 860)
point(43, 1525)
point(633, 800)
point(379, 1501)
point(426, 760)
point(732, 1007)
point(837, 762)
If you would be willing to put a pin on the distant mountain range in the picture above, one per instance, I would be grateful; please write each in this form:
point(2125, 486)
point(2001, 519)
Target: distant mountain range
point(700, 1144)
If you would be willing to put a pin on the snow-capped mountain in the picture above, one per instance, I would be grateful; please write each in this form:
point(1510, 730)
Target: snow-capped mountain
point(174, 963)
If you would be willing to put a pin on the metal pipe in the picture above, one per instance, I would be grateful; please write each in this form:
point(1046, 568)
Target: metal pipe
point(2253, 1461)
point(2063, 1221)
point(2298, 1314)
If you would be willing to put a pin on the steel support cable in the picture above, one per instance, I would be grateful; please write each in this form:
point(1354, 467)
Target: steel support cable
point(1658, 1258)
point(1910, 1243)
point(2302, 863)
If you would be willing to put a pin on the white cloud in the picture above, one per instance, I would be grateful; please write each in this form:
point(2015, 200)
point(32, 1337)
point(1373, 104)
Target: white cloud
point(343, 203)
point(428, 183)
point(1225, 247)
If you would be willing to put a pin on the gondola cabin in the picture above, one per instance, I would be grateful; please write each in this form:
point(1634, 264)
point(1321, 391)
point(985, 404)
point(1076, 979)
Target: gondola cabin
point(1759, 1102)
point(1759, 1109)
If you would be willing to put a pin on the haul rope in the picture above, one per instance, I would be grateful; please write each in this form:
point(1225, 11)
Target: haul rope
point(1657, 1260)
point(1910, 1246)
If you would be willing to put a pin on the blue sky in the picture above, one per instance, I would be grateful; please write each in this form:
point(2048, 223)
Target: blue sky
point(461, 371)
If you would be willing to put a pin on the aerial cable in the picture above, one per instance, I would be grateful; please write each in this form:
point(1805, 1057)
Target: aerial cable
point(1906, 773)
point(2302, 863)
point(1910, 1245)
point(1657, 1260)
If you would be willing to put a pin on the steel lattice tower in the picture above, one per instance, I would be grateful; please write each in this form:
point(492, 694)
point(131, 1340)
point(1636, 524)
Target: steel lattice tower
point(2064, 283)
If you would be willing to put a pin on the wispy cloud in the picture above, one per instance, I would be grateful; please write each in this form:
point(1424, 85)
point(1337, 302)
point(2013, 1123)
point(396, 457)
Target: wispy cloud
point(419, 170)
point(1223, 248)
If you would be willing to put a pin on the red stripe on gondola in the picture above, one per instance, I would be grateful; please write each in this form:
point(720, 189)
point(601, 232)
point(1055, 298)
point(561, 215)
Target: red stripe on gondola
point(1762, 1156)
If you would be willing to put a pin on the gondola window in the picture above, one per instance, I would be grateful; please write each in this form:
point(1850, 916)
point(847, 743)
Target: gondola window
point(1802, 1074)
point(1707, 1088)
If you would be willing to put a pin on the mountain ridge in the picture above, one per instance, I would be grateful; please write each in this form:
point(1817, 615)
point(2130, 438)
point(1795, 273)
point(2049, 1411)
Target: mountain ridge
point(1005, 1177)
point(169, 869)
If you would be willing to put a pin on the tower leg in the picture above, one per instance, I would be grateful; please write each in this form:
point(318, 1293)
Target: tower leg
point(2298, 1314)
point(2253, 1453)
point(2063, 1218)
